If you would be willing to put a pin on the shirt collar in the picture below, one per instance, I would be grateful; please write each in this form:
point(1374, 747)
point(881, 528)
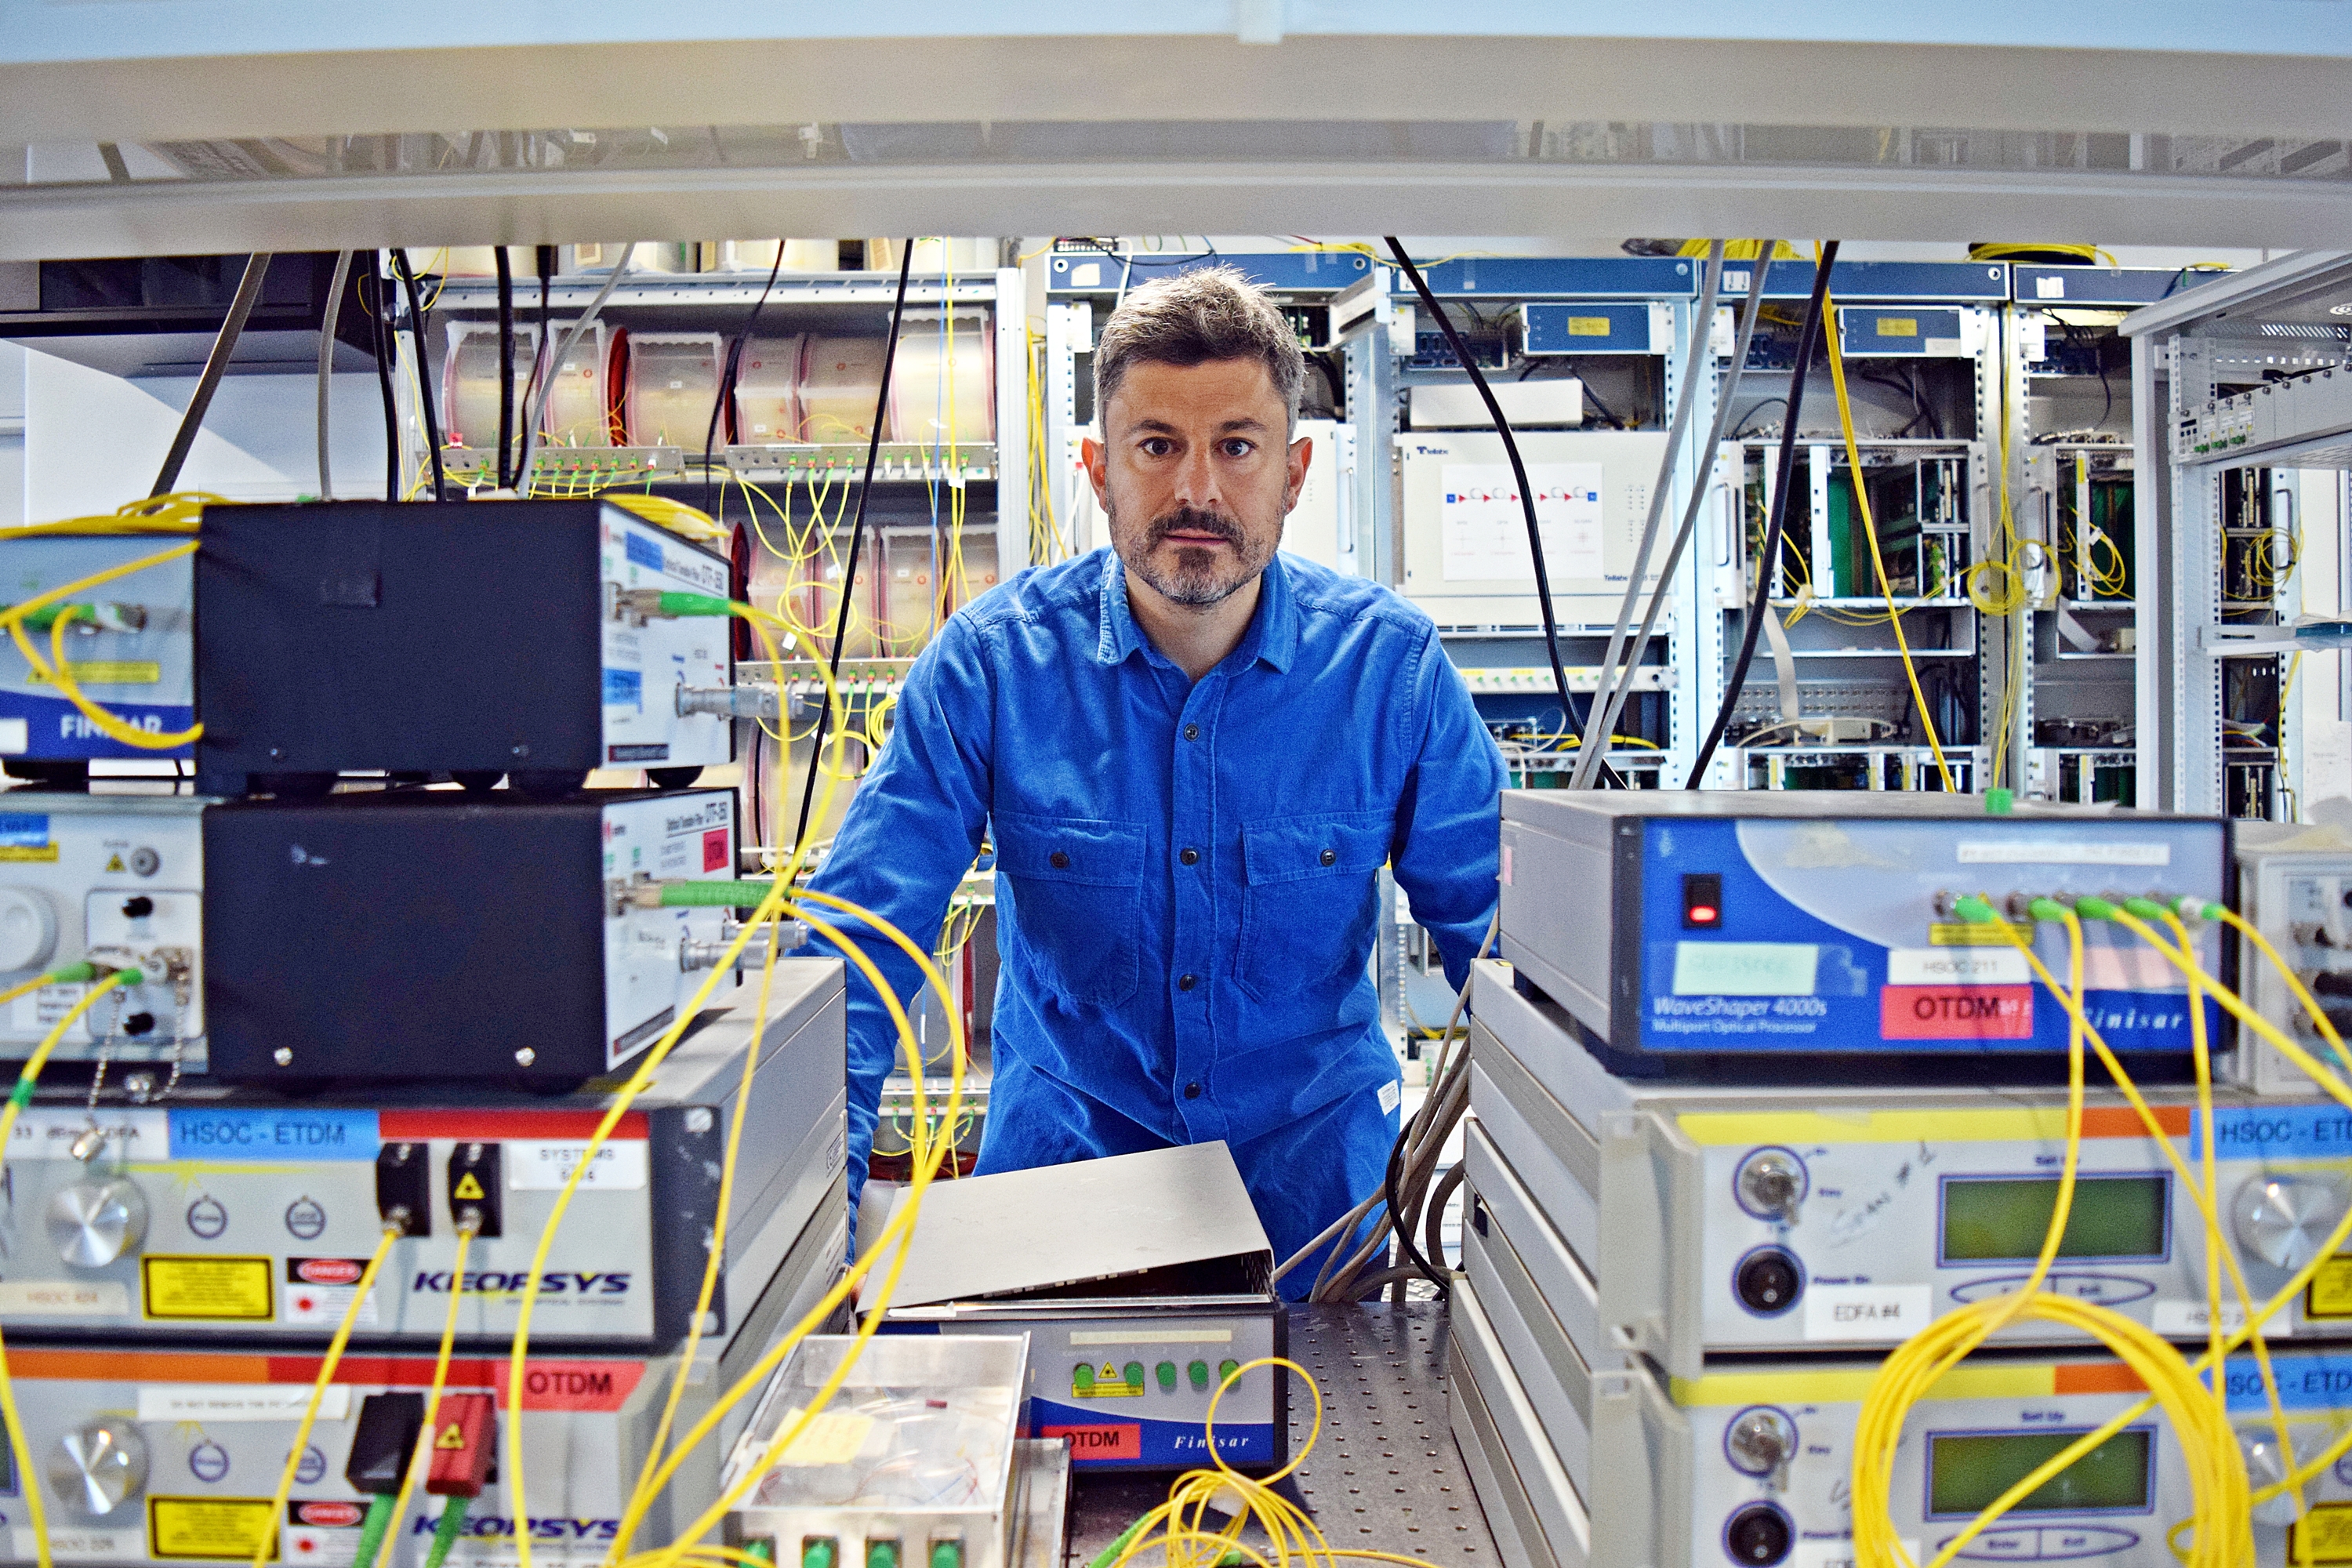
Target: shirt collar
point(1272, 637)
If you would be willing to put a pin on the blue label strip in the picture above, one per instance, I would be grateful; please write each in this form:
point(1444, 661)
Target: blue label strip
point(1165, 1445)
point(2284, 1133)
point(643, 552)
point(287, 1135)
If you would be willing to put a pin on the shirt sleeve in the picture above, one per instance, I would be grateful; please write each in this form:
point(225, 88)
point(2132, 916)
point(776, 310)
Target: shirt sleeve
point(1449, 836)
point(907, 840)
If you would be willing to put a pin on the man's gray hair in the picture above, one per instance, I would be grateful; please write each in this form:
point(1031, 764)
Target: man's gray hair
point(1192, 318)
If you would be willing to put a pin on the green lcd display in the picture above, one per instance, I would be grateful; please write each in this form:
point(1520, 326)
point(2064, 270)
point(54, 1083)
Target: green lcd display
point(2000, 1219)
point(1968, 1471)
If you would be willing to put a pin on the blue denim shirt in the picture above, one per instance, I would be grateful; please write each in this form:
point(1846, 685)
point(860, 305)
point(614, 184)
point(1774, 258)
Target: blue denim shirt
point(1186, 871)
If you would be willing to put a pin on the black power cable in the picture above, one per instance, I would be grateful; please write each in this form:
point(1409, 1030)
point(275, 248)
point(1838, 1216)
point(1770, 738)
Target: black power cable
point(733, 369)
point(424, 373)
point(380, 341)
point(1396, 1217)
point(1526, 491)
point(857, 534)
point(1809, 343)
point(506, 368)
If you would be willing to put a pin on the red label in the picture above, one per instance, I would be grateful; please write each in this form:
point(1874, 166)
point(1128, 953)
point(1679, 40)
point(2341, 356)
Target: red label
point(1956, 1012)
point(715, 850)
point(328, 1270)
point(1100, 1442)
point(329, 1515)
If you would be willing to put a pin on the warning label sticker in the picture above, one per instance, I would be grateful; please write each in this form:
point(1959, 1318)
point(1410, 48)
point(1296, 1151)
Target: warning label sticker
point(2324, 1534)
point(212, 1526)
point(320, 1290)
point(207, 1289)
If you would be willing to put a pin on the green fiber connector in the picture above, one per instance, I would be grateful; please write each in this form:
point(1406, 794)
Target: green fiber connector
point(817, 1552)
point(2189, 906)
point(22, 1095)
point(446, 1532)
point(1999, 802)
point(2092, 909)
point(374, 1530)
point(881, 1554)
point(2049, 909)
point(71, 975)
point(1973, 910)
point(694, 605)
point(714, 895)
point(2146, 909)
point(947, 1554)
point(1110, 1554)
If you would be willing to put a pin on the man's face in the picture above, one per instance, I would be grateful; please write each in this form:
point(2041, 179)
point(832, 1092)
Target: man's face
point(1196, 472)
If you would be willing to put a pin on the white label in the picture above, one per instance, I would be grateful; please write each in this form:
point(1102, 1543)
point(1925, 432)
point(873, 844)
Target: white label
point(1086, 275)
point(130, 1136)
point(1956, 967)
point(14, 737)
point(321, 1546)
point(1483, 526)
point(1391, 1093)
point(37, 1012)
point(2047, 288)
point(1745, 968)
point(1840, 1554)
point(2185, 1319)
point(1866, 1311)
point(66, 1298)
point(241, 1402)
point(621, 1166)
point(1945, 347)
point(1152, 1337)
point(2062, 852)
point(69, 1543)
point(327, 1304)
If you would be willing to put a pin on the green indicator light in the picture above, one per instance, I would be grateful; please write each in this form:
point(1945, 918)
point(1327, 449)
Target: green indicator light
point(1198, 1375)
point(881, 1554)
point(1166, 1373)
point(947, 1554)
point(816, 1551)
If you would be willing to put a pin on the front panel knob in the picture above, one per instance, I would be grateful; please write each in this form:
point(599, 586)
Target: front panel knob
point(2266, 1465)
point(2283, 1220)
point(28, 929)
point(98, 1468)
point(1760, 1440)
point(94, 1222)
point(1768, 1282)
point(1770, 1183)
point(1758, 1535)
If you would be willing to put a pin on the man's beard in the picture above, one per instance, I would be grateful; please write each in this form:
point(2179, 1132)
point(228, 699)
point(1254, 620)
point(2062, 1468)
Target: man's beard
point(1195, 579)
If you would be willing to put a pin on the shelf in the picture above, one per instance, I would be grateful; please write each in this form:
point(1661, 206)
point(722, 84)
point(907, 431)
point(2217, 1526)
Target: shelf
point(1882, 653)
point(572, 465)
point(1537, 682)
point(898, 461)
point(2094, 607)
point(734, 290)
point(1875, 602)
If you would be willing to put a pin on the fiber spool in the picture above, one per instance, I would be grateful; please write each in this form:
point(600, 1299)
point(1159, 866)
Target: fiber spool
point(943, 388)
point(766, 389)
point(473, 261)
point(579, 404)
point(470, 383)
point(673, 386)
point(840, 379)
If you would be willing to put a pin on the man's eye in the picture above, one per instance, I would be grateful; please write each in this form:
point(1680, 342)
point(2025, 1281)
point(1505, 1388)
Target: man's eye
point(1157, 447)
point(1237, 447)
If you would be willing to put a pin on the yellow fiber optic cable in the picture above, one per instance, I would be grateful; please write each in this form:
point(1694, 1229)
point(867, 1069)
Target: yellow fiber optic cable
point(421, 1460)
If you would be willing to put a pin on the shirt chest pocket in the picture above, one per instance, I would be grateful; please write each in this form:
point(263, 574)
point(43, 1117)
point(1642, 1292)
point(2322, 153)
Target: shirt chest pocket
point(1078, 892)
point(1307, 908)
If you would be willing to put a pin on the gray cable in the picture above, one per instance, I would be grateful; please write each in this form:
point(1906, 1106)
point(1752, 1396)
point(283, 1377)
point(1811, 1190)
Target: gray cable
point(547, 382)
point(249, 291)
point(1596, 734)
point(334, 314)
point(1623, 688)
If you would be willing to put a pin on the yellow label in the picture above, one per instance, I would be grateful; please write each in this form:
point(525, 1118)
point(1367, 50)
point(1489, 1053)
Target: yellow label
point(208, 1288)
point(114, 867)
point(1899, 327)
point(108, 672)
point(2330, 1295)
point(1109, 1390)
point(2323, 1535)
point(834, 1438)
point(468, 1188)
point(28, 851)
point(1953, 1126)
point(1966, 933)
point(2031, 1381)
point(1589, 326)
point(212, 1527)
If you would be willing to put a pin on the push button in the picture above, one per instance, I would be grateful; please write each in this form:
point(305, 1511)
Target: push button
point(1166, 1373)
point(1132, 1374)
point(1199, 1374)
point(1329, 857)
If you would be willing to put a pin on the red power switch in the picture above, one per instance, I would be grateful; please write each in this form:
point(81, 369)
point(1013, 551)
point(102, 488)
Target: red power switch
point(464, 1435)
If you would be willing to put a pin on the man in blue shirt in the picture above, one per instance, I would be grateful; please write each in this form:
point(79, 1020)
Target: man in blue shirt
point(1192, 756)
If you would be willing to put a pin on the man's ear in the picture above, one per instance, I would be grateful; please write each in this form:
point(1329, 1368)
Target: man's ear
point(1299, 458)
point(1097, 458)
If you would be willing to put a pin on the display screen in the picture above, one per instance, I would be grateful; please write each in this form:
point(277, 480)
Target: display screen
point(1990, 1219)
point(1968, 1471)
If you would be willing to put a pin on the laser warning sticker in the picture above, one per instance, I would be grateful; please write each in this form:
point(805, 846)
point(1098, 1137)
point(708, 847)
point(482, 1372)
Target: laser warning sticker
point(208, 1290)
point(212, 1528)
point(2324, 1534)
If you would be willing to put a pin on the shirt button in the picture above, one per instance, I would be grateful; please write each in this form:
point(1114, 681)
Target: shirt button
point(1186, 981)
point(1191, 1091)
point(1191, 732)
point(1330, 855)
point(1190, 856)
point(1060, 860)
